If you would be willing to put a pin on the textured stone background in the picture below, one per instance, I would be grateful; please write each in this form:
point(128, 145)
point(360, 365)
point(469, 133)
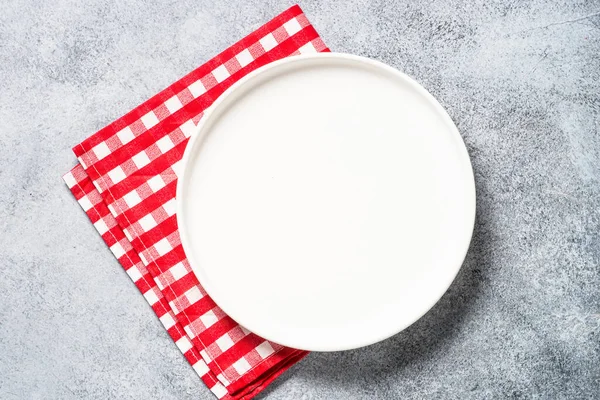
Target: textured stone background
point(520, 78)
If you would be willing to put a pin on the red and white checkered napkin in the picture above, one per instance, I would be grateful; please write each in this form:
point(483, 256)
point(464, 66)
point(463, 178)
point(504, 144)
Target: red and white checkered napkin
point(126, 183)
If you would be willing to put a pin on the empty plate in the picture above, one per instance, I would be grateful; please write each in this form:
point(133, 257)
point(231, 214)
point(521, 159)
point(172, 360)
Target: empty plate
point(326, 201)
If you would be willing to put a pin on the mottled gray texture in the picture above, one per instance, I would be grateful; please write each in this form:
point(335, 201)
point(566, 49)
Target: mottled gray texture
point(520, 78)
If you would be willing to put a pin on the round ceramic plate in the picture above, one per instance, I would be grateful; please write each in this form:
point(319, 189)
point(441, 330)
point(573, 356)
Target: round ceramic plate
point(326, 202)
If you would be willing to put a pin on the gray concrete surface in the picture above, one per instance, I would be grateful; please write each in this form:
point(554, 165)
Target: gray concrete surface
point(520, 78)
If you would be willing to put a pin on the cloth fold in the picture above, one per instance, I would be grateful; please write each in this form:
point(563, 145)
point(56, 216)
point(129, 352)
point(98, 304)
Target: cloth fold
point(126, 181)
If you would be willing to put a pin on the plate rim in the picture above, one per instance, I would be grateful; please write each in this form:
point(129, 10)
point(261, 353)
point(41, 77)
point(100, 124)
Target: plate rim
point(213, 109)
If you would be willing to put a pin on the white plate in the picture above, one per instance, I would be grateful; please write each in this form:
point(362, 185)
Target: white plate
point(326, 202)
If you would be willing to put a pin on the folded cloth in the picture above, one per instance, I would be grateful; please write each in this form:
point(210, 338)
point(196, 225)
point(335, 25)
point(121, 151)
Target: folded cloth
point(126, 181)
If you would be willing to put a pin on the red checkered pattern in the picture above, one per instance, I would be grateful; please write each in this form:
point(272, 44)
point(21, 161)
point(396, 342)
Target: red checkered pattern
point(126, 183)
